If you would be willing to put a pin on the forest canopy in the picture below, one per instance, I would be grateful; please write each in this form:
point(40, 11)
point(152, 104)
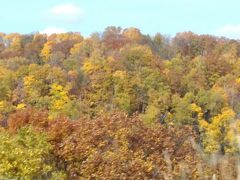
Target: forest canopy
point(119, 104)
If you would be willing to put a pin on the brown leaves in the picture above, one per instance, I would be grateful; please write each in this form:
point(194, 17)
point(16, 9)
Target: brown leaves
point(113, 146)
point(37, 119)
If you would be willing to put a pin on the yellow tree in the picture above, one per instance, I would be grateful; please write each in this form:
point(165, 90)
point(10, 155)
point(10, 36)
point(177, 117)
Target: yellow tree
point(46, 51)
point(14, 45)
point(122, 86)
point(99, 92)
point(83, 49)
point(133, 34)
point(220, 134)
point(59, 98)
point(61, 103)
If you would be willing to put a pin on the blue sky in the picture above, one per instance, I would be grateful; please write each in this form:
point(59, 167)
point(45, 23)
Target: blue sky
point(217, 17)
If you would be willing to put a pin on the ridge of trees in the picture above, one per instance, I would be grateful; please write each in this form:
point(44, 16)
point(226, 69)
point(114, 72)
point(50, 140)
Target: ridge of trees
point(118, 104)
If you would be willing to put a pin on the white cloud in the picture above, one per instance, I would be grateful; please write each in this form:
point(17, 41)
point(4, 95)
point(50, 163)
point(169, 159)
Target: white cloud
point(52, 30)
point(230, 31)
point(66, 9)
point(65, 13)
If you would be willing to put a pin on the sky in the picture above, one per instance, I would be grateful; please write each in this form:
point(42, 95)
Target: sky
point(216, 17)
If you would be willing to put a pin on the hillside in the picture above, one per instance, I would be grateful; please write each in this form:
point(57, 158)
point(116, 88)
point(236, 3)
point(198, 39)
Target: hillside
point(119, 104)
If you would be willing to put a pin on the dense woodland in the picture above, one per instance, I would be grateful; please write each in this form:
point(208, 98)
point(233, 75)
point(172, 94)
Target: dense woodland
point(119, 105)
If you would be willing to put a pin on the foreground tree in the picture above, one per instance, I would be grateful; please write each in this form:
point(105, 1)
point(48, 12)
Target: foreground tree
point(26, 155)
point(115, 146)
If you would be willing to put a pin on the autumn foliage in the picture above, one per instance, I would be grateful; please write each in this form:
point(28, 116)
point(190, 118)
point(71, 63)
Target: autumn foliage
point(115, 145)
point(119, 105)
